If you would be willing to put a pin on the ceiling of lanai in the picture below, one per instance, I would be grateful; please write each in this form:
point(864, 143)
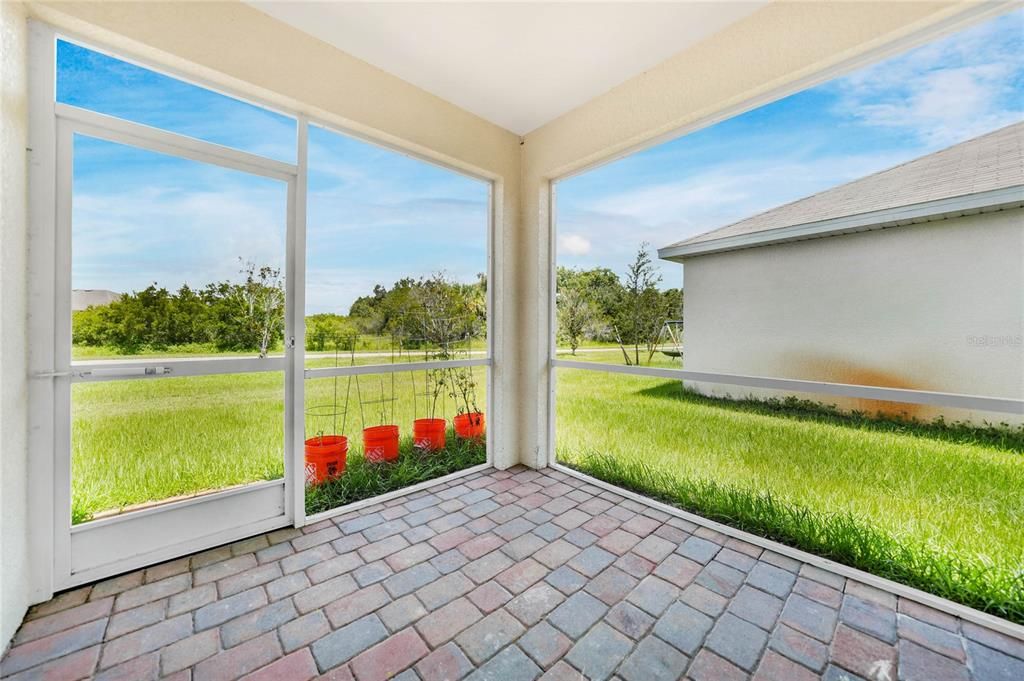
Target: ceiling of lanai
point(518, 65)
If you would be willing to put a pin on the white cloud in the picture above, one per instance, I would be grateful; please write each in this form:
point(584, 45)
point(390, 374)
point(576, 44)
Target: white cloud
point(573, 244)
point(946, 92)
point(672, 211)
point(873, 119)
point(125, 240)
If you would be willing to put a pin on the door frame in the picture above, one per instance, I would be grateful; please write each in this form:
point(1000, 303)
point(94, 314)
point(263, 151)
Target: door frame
point(99, 548)
point(82, 553)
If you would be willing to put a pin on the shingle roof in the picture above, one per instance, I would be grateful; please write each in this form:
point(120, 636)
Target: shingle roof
point(990, 162)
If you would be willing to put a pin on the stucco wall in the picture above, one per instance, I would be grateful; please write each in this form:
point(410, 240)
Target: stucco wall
point(14, 570)
point(907, 307)
point(785, 46)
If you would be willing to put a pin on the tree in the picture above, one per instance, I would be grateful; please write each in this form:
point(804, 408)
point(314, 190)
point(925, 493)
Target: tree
point(260, 308)
point(600, 285)
point(444, 313)
point(135, 320)
point(328, 331)
point(190, 317)
point(89, 326)
point(575, 315)
point(640, 312)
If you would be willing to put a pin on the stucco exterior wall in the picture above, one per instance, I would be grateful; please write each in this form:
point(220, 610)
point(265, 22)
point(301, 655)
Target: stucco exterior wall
point(782, 48)
point(906, 307)
point(14, 565)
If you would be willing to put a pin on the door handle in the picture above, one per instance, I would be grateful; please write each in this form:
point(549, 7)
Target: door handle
point(127, 371)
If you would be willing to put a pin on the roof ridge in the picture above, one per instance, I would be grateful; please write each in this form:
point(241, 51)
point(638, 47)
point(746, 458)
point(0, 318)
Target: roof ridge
point(703, 236)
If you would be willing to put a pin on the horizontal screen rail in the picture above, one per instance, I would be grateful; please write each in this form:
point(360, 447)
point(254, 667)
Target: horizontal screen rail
point(120, 370)
point(122, 131)
point(327, 372)
point(868, 392)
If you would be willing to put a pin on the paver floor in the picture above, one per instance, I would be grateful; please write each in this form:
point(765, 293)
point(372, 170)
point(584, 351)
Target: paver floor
point(507, 576)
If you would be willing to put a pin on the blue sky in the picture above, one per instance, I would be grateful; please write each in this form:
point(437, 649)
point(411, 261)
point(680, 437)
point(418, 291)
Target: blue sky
point(373, 215)
point(376, 215)
point(923, 100)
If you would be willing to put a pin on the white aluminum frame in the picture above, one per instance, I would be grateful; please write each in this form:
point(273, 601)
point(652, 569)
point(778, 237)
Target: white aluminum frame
point(960, 21)
point(370, 369)
point(52, 126)
point(122, 549)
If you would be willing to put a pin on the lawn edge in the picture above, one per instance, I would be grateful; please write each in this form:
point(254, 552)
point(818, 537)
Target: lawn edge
point(960, 610)
point(394, 494)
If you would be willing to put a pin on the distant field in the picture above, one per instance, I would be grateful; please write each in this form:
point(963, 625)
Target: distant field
point(366, 344)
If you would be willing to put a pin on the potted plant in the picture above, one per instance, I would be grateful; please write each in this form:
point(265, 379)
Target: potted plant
point(380, 443)
point(439, 317)
point(326, 456)
point(469, 423)
point(428, 434)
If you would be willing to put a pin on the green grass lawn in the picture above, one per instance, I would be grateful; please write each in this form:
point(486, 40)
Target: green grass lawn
point(947, 491)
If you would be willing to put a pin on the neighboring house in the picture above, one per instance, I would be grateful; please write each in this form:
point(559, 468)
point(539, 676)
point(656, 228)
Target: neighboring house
point(82, 298)
point(912, 277)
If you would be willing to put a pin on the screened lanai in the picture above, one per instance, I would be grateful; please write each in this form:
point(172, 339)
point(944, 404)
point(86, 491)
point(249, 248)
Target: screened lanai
point(336, 342)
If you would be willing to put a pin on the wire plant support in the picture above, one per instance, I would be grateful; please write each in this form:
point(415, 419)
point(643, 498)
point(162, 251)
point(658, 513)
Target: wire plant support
point(326, 455)
point(380, 442)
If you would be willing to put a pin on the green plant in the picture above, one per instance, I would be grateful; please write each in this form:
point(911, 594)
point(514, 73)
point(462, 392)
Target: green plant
point(463, 390)
point(260, 303)
point(437, 381)
point(575, 315)
point(363, 480)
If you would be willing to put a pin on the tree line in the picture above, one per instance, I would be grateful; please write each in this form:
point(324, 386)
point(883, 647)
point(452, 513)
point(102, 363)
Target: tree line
point(432, 312)
point(598, 305)
point(232, 316)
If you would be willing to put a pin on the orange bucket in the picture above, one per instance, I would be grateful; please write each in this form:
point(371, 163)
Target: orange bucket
point(325, 457)
point(380, 443)
point(428, 434)
point(470, 426)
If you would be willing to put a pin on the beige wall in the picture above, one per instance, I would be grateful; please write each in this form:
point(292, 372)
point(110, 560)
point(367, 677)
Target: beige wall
point(14, 567)
point(906, 307)
point(781, 48)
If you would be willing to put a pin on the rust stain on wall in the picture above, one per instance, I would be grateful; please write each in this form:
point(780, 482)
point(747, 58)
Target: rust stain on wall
point(840, 370)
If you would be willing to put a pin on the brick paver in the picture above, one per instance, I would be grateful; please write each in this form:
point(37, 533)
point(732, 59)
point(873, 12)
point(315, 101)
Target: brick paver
point(501, 575)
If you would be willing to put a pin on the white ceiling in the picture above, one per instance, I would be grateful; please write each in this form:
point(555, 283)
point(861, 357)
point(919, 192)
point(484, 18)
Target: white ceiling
point(518, 65)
